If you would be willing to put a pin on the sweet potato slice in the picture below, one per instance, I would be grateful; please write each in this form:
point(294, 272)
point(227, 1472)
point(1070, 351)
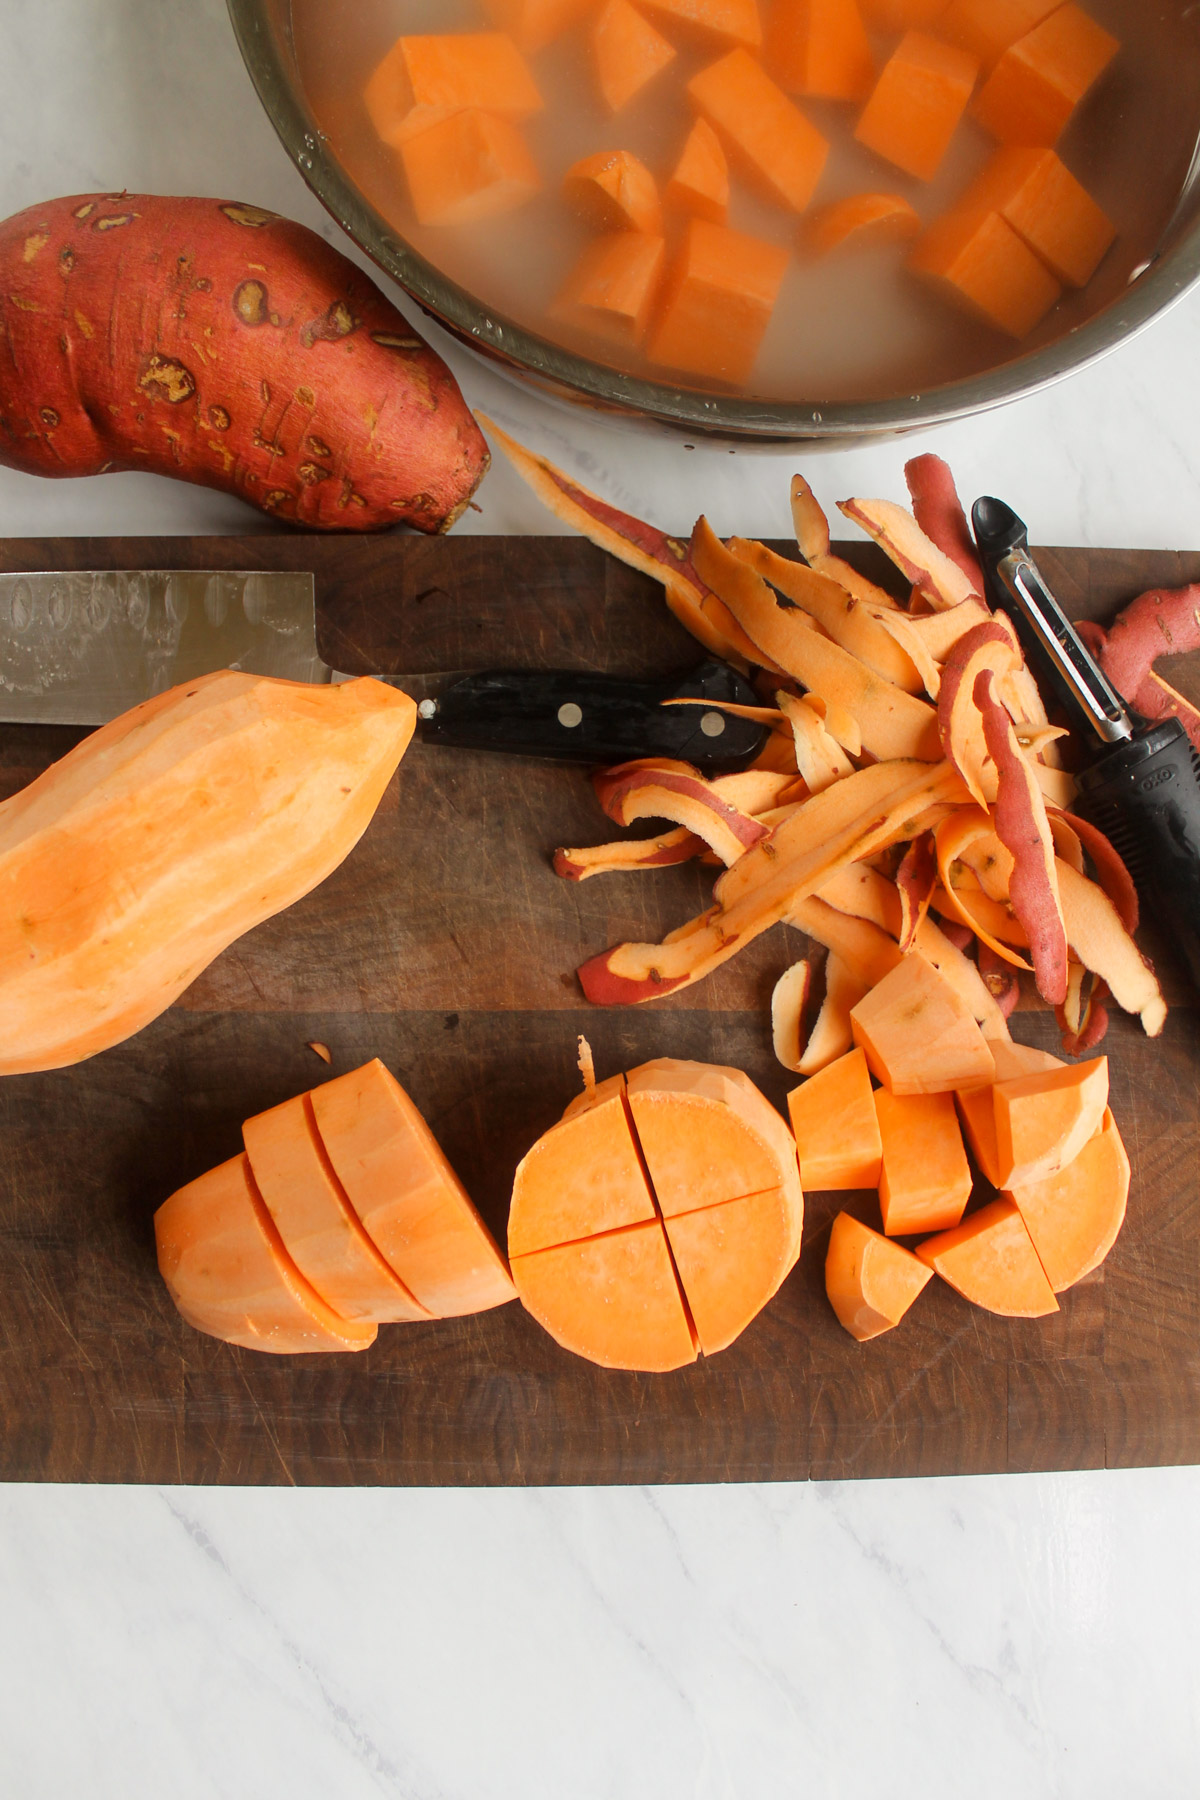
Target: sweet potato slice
point(836, 1126)
point(925, 1179)
point(720, 293)
point(473, 165)
point(1040, 80)
point(765, 134)
point(931, 571)
point(820, 47)
point(1074, 1217)
point(227, 1271)
point(731, 1259)
point(424, 80)
point(707, 1135)
point(1052, 212)
point(920, 1037)
point(411, 1203)
point(612, 289)
point(612, 1299)
point(917, 103)
point(320, 1229)
point(582, 1178)
point(642, 546)
point(861, 220)
point(938, 511)
point(871, 1282)
point(1043, 1120)
point(991, 1261)
point(627, 53)
point(613, 190)
point(981, 265)
point(699, 182)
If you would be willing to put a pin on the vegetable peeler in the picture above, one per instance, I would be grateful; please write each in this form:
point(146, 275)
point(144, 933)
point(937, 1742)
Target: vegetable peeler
point(1140, 783)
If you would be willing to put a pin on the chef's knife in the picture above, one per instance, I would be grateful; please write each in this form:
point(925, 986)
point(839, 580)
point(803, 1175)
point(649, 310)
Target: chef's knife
point(1140, 782)
point(78, 648)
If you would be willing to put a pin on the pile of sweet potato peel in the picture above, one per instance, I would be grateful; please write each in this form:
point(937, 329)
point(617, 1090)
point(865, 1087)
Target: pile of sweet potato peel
point(911, 795)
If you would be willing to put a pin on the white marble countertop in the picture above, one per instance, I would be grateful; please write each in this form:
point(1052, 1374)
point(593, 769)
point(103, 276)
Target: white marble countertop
point(1030, 1635)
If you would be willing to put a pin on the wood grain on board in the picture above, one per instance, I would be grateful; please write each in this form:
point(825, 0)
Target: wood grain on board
point(447, 946)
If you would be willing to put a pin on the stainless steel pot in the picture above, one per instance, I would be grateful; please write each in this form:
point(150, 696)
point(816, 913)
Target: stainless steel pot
point(1170, 267)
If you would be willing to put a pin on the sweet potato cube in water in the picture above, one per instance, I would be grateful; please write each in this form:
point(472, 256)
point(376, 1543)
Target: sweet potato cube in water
point(836, 1126)
point(1044, 1120)
point(917, 104)
point(731, 1259)
point(425, 79)
point(627, 53)
point(700, 181)
point(707, 1135)
point(612, 288)
point(719, 296)
point(980, 264)
point(919, 1034)
point(820, 47)
point(582, 1178)
point(471, 166)
point(411, 1203)
point(1039, 81)
point(1074, 1217)
point(535, 23)
point(861, 219)
point(614, 191)
point(320, 1229)
point(228, 1272)
point(612, 1299)
point(716, 22)
point(871, 1282)
point(987, 27)
point(991, 1261)
point(1052, 212)
point(901, 15)
point(766, 135)
point(925, 1181)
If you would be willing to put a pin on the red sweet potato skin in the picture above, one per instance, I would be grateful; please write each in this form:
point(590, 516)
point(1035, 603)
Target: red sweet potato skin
point(224, 345)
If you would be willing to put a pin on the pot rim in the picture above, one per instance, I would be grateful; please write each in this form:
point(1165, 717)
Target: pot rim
point(1150, 294)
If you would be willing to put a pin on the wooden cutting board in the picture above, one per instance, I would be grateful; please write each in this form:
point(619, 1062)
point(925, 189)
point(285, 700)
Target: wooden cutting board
point(447, 946)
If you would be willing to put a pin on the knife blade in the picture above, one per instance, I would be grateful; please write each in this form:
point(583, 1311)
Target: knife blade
point(79, 648)
point(1140, 779)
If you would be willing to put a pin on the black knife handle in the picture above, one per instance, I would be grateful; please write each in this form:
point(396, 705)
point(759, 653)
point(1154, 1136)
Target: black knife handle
point(1145, 797)
point(586, 718)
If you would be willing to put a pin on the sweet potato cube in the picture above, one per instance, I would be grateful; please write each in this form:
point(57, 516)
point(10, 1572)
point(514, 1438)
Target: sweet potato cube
point(614, 191)
point(613, 1299)
point(820, 47)
point(977, 1108)
point(861, 219)
point(981, 265)
point(871, 1282)
point(1044, 1120)
point(987, 27)
point(423, 80)
point(720, 293)
point(991, 1261)
point(1040, 80)
point(582, 1178)
point(836, 1127)
point(925, 1181)
point(901, 15)
point(1074, 1217)
point(708, 1135)
point(535, 23)
point(919, 1034)
point(1055, 215)
point(718, 22)
point(777, 148)
point(627, 53)
point(612, 288)
point(731, 1259)
point(471, 166)
point(700, 181)
point(917, 103)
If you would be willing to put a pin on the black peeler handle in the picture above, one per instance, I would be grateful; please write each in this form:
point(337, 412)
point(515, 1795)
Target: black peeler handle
point(586, 718)
point(1145, 796)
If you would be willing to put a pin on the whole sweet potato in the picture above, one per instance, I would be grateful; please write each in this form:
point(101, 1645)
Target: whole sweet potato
point(219, 343)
